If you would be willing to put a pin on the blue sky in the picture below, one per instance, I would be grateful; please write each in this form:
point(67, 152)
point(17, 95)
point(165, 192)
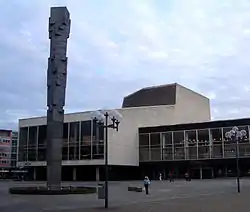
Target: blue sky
point(118, 46)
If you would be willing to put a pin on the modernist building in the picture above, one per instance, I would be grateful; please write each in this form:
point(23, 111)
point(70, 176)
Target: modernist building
point(8, 154)
point(5, 148)
point(163, 127)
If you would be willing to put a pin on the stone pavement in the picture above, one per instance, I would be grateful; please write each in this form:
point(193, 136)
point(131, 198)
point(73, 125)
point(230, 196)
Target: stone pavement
point(204, 203)
point(198, 195)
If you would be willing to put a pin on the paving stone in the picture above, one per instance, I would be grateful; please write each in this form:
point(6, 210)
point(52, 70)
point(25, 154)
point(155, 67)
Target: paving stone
point(198, 195)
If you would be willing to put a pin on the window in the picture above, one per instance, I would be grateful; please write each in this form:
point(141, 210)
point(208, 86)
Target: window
point(5, 141)
point(155, 139)
point(191, 137)
point(32, 138)
point(245, 139)
point(203, 143)
point(74, 132)
point(65, 132)
point(168, 153)
point(85, 139)
point(98, 150)
point(65, 144)
point(144, 140)
point(225, 130)
point(32, 154)
point(178, 137)
point(98, 132)
point(23, 136)
point(191, 144)
point(144, 153)
point(203, 137)
point(216, 135)
point(85, 152)
point(42, 134)
point(41, 154)
point(74, 142)
point(167, 139)
point(23, 142)
point(155, 153)
point(86, 132)
point(3, 154)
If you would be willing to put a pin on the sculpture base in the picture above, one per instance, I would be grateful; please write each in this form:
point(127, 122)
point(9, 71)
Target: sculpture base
point(54, 191)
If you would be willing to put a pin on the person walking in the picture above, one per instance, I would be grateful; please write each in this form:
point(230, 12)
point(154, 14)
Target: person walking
point(160, 177)
point(146, 184)
point(171, 179)
point(186, 176)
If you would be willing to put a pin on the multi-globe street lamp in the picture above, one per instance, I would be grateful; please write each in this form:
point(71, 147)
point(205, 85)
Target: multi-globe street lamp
point(106, 120)
point(235, 135)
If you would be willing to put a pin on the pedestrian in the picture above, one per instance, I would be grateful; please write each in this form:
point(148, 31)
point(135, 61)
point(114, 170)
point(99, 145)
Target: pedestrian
point(171, 179)
point(160, 177)
point(187, 176)
point(146, 184)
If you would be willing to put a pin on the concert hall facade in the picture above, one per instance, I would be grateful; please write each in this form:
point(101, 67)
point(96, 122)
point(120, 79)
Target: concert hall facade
point(163, 128)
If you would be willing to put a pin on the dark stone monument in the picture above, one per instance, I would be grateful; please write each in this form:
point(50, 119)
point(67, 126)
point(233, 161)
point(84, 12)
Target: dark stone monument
point(59, 29)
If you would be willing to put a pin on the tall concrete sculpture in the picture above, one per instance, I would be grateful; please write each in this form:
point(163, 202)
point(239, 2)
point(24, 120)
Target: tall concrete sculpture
point(59, 29)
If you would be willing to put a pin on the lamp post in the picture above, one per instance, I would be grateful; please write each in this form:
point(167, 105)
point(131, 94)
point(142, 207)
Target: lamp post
point(106, 120)
point(235, 135)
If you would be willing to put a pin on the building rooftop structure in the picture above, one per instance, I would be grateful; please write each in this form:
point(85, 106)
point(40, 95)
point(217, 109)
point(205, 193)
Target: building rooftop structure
point(155, 95)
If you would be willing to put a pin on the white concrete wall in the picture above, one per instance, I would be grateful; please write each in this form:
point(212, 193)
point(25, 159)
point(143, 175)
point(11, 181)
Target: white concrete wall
point(124, 144)
point(72, 117)
point(191, 106)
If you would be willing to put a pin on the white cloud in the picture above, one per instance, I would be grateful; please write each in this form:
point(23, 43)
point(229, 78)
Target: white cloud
point(118, 46)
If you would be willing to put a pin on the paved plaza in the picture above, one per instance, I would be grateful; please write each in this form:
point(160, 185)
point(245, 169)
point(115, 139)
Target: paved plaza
point(197, 195)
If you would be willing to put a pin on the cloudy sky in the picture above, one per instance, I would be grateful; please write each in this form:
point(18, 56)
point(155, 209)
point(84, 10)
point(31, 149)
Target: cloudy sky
point(118, 46)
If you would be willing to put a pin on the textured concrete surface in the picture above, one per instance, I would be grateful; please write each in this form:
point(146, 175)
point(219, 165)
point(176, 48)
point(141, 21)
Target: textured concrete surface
point(205, 195)
point(59, 28)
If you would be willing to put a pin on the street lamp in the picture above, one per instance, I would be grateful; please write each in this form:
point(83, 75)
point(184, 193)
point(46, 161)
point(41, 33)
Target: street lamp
point(106, 120)
point(235, 135)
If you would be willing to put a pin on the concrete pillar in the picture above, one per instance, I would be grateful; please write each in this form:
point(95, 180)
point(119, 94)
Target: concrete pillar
point(201, 177)
point(97, 174)
point(59, 29)
point(74, 174)
point(34, 174)
point(212, 172)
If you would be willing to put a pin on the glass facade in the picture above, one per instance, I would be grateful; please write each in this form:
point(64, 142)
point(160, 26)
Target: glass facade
point(81, 141)
point(14, 149)
point(194, 144)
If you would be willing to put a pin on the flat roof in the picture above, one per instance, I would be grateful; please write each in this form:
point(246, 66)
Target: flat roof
point(5, 130)
point(90, 111)
point(197, 125)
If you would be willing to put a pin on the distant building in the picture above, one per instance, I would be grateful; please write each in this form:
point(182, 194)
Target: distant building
point(14, 139)
point(5, 148)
